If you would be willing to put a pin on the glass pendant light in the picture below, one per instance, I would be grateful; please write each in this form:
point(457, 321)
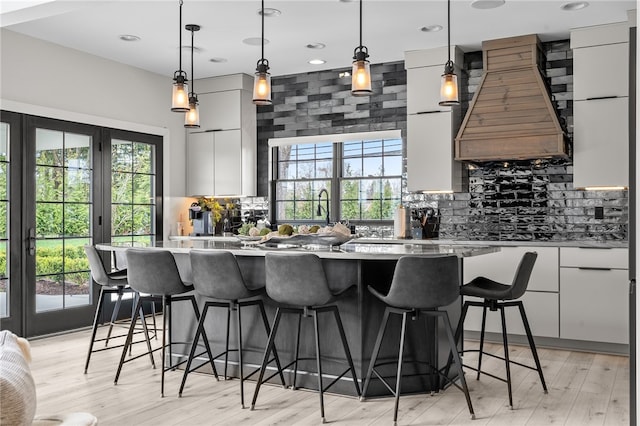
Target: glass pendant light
point(449, 80)
point(262, 81)
point(361, 72)
point(180, 97)
point(192, 117)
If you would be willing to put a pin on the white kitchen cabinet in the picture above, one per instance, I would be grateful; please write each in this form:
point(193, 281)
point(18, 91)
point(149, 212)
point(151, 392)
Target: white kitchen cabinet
point(594, 285)
point(541, 300)
point(221, 154)
point(430, 153)
point(424, 83)
point(595, 76)
point(216, 164)
point(431, 127)
point(600, 109)
point(220, 110)
point(600, 142)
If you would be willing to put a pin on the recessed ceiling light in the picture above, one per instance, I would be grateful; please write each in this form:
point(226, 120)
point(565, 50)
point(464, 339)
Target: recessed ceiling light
point(316, 46)
point(317, 61)
point(269, 12)
point(255, 41)
point(129, 37)
point(218, 60)
point(574, 6)
point(486, 4)
point(431, 28)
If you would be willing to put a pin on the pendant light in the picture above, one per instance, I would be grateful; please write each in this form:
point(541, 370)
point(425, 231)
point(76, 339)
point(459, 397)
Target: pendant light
point(192, 117)
point(180, 97)
point(361, 72)
point(449, 81)
point(262, 81)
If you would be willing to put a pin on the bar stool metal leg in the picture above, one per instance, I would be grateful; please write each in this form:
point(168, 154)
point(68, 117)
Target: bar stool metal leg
point(506, 354)
point(265, 321)
point(532, 345)
point(374, 355)
point(226, 348)
point(114, 315)
point(457, 361)
point(318, 363)
point(482, 329)
point(347, 352)
point(265, 359)
point(240, 356)
point(94, 329)
point(297, 354)
point(403, 333)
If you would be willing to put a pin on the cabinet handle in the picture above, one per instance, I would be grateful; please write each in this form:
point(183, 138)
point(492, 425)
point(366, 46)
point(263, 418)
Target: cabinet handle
point(595, 248)
point(428, 112)
point(597, 98)
point(593, 268)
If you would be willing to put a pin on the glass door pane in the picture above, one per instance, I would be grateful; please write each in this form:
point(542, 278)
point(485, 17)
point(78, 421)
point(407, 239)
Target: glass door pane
point(5, 289)
point(63, 219)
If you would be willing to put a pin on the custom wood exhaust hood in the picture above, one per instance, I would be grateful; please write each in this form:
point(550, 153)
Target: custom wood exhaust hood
point(511, 116)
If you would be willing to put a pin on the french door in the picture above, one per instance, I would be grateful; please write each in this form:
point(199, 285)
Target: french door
point(64, 185)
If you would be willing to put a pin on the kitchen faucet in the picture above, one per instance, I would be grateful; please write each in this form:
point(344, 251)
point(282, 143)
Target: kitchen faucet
point(319, 213)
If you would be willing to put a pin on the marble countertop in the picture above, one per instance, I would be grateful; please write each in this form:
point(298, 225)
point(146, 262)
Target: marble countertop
point(364, 240)
point(351, 250)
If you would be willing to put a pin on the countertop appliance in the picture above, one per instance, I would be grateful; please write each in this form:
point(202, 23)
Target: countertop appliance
point(202, 221)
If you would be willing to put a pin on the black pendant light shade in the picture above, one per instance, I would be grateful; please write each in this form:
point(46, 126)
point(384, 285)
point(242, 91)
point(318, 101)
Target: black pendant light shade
point(262, 80)
point(180, 93)
point(361, 71)
point(449, 80)
point(192, 117)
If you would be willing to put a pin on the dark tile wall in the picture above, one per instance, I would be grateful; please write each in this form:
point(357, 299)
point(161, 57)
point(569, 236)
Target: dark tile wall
point(320, 103)
point(508, 201)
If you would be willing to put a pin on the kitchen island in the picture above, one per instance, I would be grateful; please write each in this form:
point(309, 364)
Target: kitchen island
point(349, 265)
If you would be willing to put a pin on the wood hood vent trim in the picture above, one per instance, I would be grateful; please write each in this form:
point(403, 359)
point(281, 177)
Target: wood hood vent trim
point(511, 116)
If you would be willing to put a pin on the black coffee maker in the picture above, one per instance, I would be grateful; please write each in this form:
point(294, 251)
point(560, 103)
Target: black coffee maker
point(202, 221)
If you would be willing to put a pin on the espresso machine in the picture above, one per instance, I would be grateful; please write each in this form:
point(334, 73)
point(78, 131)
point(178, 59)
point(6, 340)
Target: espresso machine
point(201, 220)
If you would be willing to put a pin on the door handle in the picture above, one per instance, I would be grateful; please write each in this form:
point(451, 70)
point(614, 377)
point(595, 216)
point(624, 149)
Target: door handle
point(31, 242)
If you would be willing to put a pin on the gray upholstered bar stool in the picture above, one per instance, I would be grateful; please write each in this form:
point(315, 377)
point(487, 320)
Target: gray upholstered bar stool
point(154, 274)
point(498, 296)
point(110, 283)
point(298, 283)
point(216, 275)
point(420, 286)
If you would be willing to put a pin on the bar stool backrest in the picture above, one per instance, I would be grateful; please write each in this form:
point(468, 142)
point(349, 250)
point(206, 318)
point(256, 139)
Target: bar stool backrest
point(98, 273)
point(523, 274)
point(296, 279)
point(153, 272)
point(217, 274)
point(425, 282)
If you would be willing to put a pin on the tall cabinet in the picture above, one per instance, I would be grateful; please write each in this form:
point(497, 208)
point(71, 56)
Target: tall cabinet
point(430, 127)
point(601, 105)
point(221, 154)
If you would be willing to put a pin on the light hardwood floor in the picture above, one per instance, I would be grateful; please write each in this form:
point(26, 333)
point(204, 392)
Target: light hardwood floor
point(584, 389)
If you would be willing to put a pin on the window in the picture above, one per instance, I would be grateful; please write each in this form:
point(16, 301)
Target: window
point(134, 189)
point(362, 173)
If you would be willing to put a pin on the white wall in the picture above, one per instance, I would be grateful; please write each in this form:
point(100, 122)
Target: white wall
point(41, 78)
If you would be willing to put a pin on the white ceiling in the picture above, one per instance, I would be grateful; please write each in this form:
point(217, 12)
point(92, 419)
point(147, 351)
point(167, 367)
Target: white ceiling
point(389, 29)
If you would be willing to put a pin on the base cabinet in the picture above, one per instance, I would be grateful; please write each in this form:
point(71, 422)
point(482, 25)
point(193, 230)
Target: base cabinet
point(594, 305)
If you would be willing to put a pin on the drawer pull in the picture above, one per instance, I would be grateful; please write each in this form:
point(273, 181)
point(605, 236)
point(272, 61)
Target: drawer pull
point(593, 268)
point(597, 98)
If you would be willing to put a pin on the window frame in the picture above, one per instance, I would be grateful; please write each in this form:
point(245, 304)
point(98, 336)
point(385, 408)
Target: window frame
point(337, 141)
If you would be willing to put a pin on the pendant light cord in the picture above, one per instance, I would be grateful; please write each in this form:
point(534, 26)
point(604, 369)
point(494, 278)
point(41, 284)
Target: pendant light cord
point(193, 89)
point(180, 39)
point(448, 31)
point(262, 30)
point(360, 23)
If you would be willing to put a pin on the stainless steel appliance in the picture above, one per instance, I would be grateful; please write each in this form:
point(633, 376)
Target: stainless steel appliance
point(202, 221)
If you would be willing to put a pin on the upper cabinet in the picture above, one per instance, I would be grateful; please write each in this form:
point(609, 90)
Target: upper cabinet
point(221, 154)
point(430, 127)
point(601, 106)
